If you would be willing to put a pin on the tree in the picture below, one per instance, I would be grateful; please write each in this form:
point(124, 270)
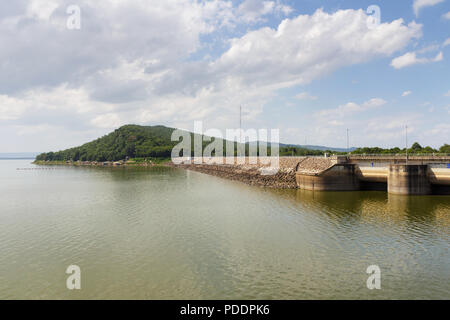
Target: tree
point(416, 146)
point(445, 148)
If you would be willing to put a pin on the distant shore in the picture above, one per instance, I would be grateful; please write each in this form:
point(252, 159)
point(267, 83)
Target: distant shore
point(121, 163)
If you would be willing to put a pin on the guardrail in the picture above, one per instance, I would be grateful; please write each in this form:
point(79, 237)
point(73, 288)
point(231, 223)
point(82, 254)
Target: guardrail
point(399, 154)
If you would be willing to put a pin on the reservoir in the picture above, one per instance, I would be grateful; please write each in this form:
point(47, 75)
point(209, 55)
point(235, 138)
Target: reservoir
point(165, 233)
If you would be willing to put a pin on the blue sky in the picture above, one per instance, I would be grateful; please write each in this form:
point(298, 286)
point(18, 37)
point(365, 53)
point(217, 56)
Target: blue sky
point(310, 68)
point(426, 105)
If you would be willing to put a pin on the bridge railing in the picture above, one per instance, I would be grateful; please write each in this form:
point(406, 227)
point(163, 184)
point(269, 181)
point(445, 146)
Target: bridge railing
point(399, 155)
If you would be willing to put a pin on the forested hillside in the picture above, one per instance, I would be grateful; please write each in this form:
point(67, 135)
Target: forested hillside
point(131, 141)
point(135, 141)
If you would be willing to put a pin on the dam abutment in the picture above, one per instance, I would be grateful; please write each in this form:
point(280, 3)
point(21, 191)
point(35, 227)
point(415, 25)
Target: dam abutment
point(408, 179)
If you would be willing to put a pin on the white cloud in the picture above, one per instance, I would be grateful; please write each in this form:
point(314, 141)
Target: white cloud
point(439, 57)
point(254, 10)
point(335, 123)
point(307, 47)
point(447, 94)
point(388, 128)
point(410, 58)
point(11, 108)
point(351, 108)
point(142, 67)
point(62, 105)
point(108, 120)
point(440, 129)
point(112, 33)
point(446, 15)
point(41, 9)
point(429, 48)
point(305, 96)
point(446, 42)
point(419, 4)
point(406, 93)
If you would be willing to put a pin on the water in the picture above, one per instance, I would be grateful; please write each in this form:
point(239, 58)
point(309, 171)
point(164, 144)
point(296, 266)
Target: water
point(166, 233)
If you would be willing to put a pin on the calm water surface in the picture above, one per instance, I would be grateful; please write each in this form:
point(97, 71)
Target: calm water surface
point(172, 234)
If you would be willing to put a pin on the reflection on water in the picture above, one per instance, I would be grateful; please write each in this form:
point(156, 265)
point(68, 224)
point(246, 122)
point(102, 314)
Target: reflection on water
point(162, 233)
point(381, 207)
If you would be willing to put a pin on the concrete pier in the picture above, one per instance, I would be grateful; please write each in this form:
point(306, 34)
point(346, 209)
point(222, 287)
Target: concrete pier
point(340, 177)
point(408, 179)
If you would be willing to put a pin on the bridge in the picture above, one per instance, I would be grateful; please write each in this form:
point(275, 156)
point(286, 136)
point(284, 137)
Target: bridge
point(398, 174)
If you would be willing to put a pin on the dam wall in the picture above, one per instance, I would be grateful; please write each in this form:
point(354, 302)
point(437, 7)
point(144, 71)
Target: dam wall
point(339, 173)
point(407, 178)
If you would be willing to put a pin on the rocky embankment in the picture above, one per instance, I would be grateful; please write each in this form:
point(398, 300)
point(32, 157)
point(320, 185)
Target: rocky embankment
point(314, 166)
point(252, 174)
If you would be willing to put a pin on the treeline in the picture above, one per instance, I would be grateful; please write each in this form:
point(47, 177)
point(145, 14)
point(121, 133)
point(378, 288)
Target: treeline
point(128, 141)
point(133, 141)
point(416, 148)
point(300, 152)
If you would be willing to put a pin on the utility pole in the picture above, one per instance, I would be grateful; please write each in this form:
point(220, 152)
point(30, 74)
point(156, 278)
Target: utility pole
point(406, 140)
point(240, 124)
point(348, 144)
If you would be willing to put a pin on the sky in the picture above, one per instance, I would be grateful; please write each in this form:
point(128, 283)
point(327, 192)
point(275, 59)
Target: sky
point(310, 68)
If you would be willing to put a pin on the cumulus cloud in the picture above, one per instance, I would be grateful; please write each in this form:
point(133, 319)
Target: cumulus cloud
point(420, 4)
point(307, 47)
point(447, 94)
point(141, 63)
point(305, 96)
point(406, 93)
point(37, 52)
point(410, 58)
point(255, 10)
point(351, 108)
point(446, 15)
point(440, 129)
point(446, 42)
point(11, 108)
point(386, 128)
point(41, 9)
point(108, 120)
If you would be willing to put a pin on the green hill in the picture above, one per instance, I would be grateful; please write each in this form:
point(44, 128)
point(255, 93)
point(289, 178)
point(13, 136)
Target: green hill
point(131, 141)
point(135, 141)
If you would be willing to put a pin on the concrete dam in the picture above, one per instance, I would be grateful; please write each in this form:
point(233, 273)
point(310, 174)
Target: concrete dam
point(417, 175)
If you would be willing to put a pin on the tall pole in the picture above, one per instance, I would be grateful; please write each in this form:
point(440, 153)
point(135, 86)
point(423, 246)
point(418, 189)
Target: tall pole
point(240, 124)
point(406, 139)
point(348, 144)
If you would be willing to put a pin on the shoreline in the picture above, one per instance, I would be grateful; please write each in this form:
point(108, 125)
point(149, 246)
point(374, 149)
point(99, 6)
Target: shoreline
point(250, 175)
point(121, 163)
